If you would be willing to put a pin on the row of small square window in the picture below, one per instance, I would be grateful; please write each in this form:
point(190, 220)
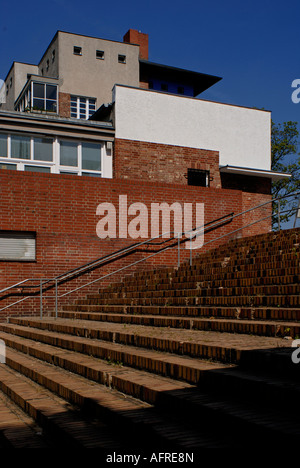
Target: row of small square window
point(99, 54)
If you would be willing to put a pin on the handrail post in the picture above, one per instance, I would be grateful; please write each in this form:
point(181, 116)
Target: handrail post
point(191, 257)
point(41, 298)
point(56, 298)
point(278, 214)
point(179, 249)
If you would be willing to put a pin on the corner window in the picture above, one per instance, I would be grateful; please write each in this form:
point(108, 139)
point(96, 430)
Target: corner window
point(100, 54)
point(121, 58)
point(198, 177)
point(44, 97)
point(77, 50)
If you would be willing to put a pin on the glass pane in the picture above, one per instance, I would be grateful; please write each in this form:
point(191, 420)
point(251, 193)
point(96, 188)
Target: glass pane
point(43, 149)
point(51, 106)
point(37, 169)
point(68, 172)
point(38, 90)
point(92, 174)
point(51, 92)
point(91, 156)
point(68, 153)
point(73, 100)
point(8, 166)
point(3, 146)
point(20, 147)
point(38, 104)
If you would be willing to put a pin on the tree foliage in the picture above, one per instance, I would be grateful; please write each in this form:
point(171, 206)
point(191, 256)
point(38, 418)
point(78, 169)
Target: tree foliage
point(285, 158)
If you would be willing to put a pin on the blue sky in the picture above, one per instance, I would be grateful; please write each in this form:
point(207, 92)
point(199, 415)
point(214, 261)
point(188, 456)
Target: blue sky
point(253, 46)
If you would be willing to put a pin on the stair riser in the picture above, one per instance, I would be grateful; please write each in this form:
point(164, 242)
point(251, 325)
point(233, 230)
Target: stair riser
point(90, 312)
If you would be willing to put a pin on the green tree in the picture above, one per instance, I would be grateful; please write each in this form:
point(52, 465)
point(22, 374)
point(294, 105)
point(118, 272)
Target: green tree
point(285, 158)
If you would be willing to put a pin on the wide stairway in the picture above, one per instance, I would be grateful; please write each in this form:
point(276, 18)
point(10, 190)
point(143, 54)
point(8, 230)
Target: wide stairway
point(176, 359)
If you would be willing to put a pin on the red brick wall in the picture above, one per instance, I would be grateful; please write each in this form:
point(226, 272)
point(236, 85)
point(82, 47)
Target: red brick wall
point(61, 209)
point(64, 103)
point(135, 37)
point(163, 163)
point(255, 191)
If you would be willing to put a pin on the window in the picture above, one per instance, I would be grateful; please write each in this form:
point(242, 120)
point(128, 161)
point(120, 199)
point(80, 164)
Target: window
point(180, 90)
point(8, 166)
point(17, 246)
point(47, 64)
point(121, 58)
point(37, 169)
point(164, 87)
point(53, 55)
point(68, 154)
point(100, 54)
point(82, 107)
point(198, 177)
point(83, 158)
point(44, 97)
point(3, 146)
point(91, 156)
point(42, 149)
point(77, 50)
point(37, 153)
point(20, 147)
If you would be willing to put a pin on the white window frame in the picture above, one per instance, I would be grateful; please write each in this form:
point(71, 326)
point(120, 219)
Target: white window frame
point(54, 165)
point(88, 105)
point(32, 97)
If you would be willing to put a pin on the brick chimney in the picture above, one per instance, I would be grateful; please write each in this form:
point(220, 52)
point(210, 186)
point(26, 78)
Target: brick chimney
point(136, 37)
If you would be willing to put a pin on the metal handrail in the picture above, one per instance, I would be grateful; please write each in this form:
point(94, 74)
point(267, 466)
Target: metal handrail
point(115, 254)
point(194, 231)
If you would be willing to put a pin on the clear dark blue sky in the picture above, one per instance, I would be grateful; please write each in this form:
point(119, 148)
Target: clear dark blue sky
point(253, 45)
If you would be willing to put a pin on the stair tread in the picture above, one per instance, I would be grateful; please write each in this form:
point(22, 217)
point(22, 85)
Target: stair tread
point(51, 406)
point(115, 402)
point(267, 417)
point(180, 335)
point(200, 364)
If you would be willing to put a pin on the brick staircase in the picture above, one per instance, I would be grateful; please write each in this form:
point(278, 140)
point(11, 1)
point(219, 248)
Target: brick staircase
point(173, 359)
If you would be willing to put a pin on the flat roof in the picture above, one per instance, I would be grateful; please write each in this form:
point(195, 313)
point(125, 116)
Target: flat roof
point(255, 172)
point(199, 81)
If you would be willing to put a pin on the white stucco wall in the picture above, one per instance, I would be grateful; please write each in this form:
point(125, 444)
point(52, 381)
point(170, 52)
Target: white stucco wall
point(241, 135)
